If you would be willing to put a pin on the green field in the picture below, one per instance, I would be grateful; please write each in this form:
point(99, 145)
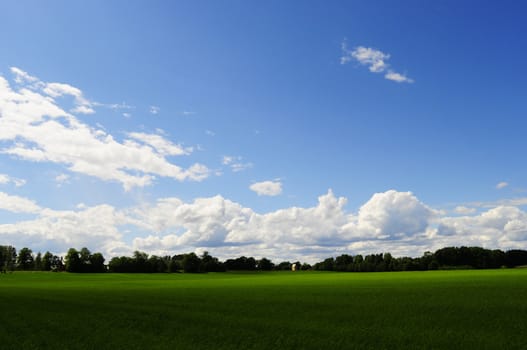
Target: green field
point(485, 309)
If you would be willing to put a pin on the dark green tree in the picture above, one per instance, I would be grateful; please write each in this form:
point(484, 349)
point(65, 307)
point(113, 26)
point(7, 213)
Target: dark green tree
point(97, 263)
point(191, 263)
point(7, 258)
point(73, 261)
point(57, 264)
point(38, 262)
point(46, 261)
point(25, 260)
point(85, 261)
point(265, 264)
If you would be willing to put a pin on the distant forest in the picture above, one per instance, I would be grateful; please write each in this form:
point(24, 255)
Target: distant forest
point(84, 261)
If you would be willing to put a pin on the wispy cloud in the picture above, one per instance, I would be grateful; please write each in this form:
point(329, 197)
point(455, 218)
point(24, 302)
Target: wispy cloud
point(160, 144)
point(397, 77)
point(62, 179)
point(236, 163)
point(501, 185)
point(460, 209)
point(54, 90)
point(376, 60)
point(6, 179)
point(154, 110)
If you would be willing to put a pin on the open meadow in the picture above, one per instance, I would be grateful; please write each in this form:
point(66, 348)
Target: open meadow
point(471, 309)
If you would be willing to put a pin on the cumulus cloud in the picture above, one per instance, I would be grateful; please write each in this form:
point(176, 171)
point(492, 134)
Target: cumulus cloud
point(35, 128)
point(394, 214)
point(16, 204)
point(267, 188)
point(392, 221)
point(502, 227)
point(94, 227)
point(376, 60)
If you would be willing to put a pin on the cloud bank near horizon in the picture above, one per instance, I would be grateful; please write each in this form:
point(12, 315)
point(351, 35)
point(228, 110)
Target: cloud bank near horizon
point(392, 221)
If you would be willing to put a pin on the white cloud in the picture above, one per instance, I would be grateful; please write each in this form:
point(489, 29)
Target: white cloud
point(376, 61)
point(23, 77)
point(35, 128)
point(267, 188)
point(6, 179)
point(236, 167)
point(392, 215)
point(392, 221)
point(210, 133)
point(83, 106)
point(61, 179)
point(160, 144)
point(17, 204)
point(501, 185)
point(397, 77)
point(236, 163)
point(154, 110)
point(464, 210)
point(94, 227)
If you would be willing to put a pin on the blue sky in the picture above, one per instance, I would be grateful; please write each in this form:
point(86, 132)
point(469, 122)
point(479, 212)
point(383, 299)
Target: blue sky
point(293, 130)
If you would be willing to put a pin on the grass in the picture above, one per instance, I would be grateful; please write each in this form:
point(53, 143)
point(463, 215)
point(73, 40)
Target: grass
point(284, 310)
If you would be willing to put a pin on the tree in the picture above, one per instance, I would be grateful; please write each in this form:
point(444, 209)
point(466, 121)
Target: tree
point(85, 262)
point(97, 263)
point(73, 261)
point(46, 261)
point(210, 263)
point(57, 264)
point(515, 257)
point(25, 260)
point(38, 262)
point(140, 262)
point(241, 263)
point(344, 263)
point(7, 258)
point(284, 265)
point(191, 263)
point(265, 264)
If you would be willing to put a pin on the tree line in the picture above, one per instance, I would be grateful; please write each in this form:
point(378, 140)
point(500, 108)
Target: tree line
point(25, 260)
point(83, 261)
point(445, 258)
